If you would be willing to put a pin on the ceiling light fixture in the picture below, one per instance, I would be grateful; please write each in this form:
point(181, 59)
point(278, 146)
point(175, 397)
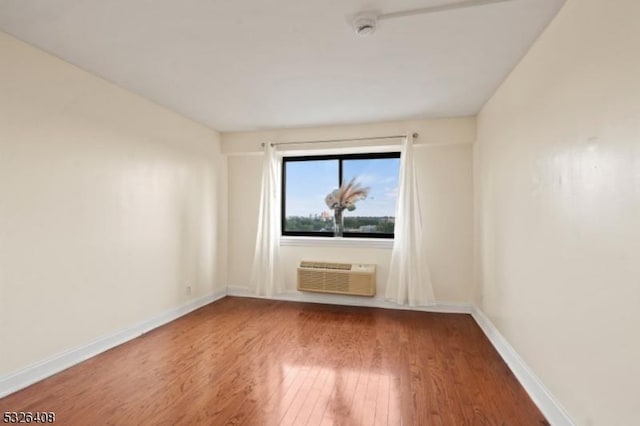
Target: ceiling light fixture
point(364, 24)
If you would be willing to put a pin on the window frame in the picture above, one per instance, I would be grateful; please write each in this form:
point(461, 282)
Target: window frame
point(340, 158)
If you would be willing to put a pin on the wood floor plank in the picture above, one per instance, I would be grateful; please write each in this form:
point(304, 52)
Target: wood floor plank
point(382, 401)
point(263, 362)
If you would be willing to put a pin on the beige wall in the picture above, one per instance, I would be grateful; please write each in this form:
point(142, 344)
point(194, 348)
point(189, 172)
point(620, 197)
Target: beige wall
point(110, 205)
point(444, 161)
point(558, 181)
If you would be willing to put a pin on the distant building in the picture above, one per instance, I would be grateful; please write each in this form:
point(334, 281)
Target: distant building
point(368, 228)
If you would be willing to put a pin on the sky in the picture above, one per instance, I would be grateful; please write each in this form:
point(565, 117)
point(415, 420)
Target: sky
point(309, 182)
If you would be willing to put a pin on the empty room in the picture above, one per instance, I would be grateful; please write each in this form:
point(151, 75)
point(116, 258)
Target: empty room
point(408, 212)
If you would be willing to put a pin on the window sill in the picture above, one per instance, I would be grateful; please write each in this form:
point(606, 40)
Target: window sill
point(336, 242)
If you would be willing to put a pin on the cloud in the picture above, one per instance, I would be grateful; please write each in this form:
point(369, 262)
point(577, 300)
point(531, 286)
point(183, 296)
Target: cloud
point(391, 192)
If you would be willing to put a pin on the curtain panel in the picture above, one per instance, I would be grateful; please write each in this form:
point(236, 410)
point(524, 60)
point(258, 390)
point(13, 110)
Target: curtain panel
point(265, 271)
point(409, 280)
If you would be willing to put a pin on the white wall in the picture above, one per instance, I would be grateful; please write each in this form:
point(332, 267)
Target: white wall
point(109, 206)
point(558, 181)
point(444, 158)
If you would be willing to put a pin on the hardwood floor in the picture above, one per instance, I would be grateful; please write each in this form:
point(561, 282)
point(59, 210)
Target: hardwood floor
point(260, 362)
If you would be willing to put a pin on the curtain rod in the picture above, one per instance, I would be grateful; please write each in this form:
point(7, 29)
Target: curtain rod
point(415, 135)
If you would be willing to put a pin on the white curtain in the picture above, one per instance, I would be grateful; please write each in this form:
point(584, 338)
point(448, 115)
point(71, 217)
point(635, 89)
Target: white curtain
point(264, 273)
point(409, 278)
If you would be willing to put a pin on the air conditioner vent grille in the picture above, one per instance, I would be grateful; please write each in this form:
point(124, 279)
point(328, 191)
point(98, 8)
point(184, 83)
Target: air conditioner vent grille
point(325, 265)
point(339, 278)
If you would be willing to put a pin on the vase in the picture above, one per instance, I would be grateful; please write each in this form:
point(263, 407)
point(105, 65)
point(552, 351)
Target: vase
point(338, 223)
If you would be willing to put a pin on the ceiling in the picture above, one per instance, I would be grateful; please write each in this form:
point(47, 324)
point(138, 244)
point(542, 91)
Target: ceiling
point(252, 64)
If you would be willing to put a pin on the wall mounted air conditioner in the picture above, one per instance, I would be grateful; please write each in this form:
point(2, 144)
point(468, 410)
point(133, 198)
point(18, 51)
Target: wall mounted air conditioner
point(340, 278)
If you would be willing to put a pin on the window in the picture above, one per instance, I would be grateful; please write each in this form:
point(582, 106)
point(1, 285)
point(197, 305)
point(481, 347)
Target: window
point(306, 182)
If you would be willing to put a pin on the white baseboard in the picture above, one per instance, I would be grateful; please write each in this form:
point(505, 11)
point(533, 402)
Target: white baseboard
point(337, 299)
point(41, 370)
point(546, 402)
